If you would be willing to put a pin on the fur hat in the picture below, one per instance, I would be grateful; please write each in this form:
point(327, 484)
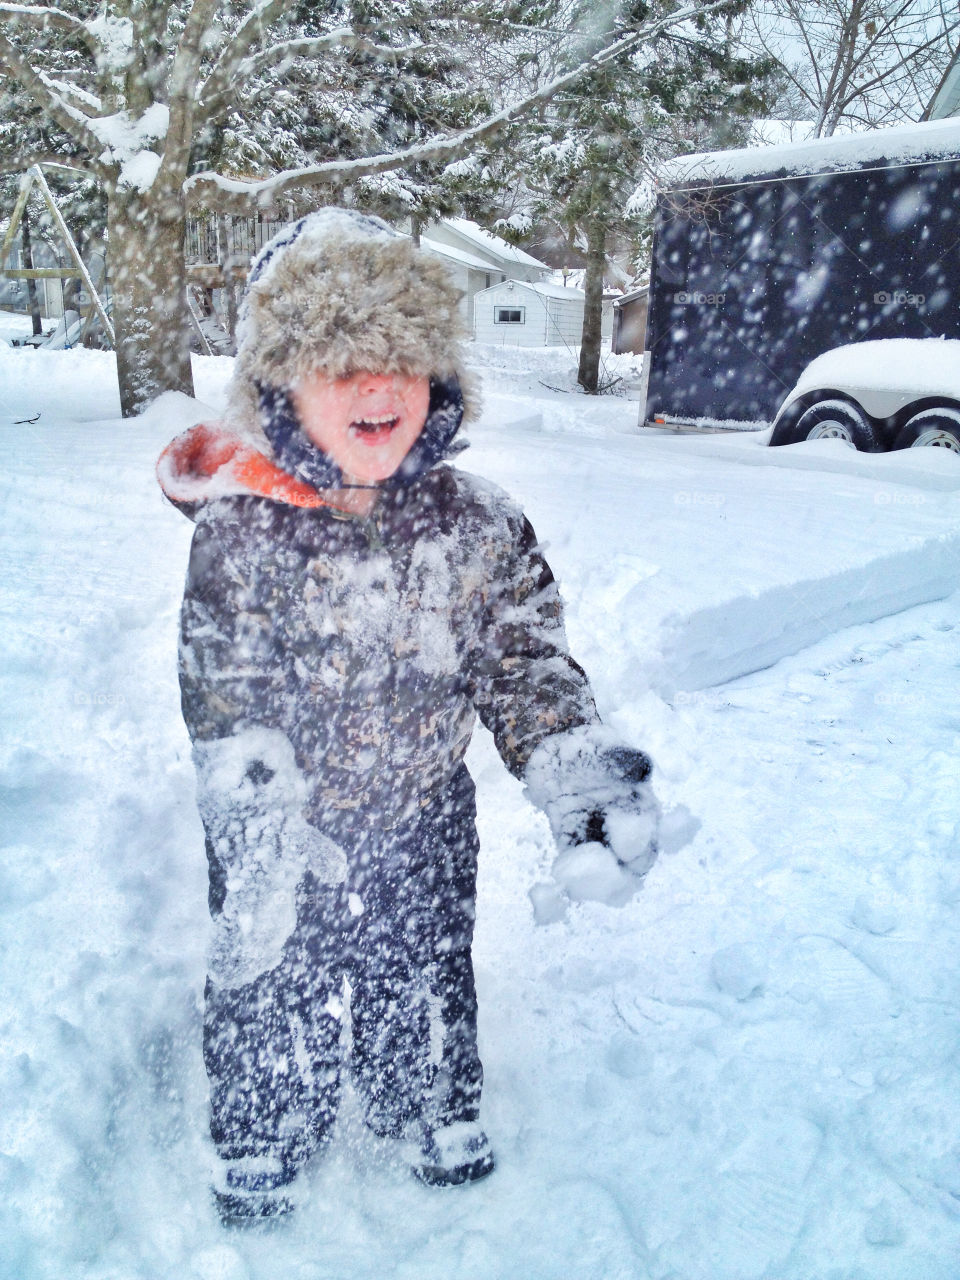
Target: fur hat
point(339, 292)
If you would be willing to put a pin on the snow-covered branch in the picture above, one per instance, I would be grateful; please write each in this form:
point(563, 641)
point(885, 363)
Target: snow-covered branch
point(183, 80)
point(89, 100)
point(218, 98)
point(229, 195)
point(46, 159)
point(225, 70)
point(47, 18)
point(73, 121)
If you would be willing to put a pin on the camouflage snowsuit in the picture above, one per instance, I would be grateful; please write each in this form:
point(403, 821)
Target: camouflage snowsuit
point(331, 670)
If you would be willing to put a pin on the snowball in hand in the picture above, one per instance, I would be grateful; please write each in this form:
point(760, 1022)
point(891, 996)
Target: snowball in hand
point(603, 814)
point(633, 836)
point(591, 873)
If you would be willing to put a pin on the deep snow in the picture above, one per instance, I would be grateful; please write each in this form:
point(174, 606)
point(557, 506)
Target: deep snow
point(748, 1073)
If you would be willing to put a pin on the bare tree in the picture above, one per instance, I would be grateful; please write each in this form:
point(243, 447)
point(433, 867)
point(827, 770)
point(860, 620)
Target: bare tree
point(128, 89)
point(860, 63)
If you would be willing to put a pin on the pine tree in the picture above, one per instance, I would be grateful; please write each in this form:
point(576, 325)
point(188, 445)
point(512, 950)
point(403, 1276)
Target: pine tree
point(603, 137)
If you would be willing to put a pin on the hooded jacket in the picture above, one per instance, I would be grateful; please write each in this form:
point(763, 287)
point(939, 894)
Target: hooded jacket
point(372, 642)
point(366, 644)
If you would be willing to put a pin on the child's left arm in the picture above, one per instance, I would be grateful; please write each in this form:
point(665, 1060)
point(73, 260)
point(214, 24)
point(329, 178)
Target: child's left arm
point(537, 702)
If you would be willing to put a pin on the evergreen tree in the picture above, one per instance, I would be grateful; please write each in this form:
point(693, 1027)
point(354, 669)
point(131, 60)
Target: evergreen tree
point(602, 138)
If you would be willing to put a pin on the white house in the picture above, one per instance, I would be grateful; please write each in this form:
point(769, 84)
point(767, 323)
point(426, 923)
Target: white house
point(478, 259)
point(518, 313)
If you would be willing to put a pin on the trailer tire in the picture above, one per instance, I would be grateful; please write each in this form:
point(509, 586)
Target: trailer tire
point(939, 428)
point(831, 420)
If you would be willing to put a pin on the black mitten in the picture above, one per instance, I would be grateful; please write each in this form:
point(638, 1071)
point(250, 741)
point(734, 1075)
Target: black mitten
point(602, 810)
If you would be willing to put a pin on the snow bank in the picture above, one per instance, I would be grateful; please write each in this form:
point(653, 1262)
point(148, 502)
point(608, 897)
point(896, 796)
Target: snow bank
point(721, 642)
point(733, 555)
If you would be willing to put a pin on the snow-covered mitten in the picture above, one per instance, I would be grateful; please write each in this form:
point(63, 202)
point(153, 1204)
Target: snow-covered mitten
point(251, 792)
point(603, 813)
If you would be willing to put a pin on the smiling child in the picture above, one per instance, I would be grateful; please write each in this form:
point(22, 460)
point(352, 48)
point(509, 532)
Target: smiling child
point(353, 602)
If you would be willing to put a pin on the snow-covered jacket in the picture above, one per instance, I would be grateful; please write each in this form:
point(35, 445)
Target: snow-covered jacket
point(369, 643)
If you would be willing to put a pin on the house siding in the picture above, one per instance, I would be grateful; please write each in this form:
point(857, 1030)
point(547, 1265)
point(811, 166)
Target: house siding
point(548, 321)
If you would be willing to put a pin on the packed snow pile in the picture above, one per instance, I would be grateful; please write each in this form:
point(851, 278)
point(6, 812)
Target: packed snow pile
point(748, 1071)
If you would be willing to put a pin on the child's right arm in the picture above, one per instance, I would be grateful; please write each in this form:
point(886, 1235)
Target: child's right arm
point(250, 789)
point(230, 672)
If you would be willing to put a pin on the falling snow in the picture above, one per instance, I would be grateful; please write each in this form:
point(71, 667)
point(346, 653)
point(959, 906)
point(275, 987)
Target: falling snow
point(748, 1071)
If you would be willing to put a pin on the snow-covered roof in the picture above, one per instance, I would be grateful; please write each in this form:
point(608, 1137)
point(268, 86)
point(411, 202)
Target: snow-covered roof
point(933, 140)
point(541, 287)
point(487, 241)
point(460, 256)
point(555, 290)
point(641, 291)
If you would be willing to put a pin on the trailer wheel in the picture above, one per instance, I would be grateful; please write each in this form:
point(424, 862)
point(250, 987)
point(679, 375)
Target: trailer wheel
point(937, 428)
point(831, 420)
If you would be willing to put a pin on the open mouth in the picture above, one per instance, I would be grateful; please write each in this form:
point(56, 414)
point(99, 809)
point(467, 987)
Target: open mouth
point(374, 430)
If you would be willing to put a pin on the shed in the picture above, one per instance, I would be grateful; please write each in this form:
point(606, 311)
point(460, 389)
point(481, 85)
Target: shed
point(518, 313)
point(630, 321)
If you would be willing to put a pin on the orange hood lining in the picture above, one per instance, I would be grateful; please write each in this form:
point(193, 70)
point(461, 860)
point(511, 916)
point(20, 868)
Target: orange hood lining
point(210, 461)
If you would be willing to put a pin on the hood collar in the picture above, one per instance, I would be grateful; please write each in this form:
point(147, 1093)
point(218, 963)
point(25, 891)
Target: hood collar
point(209, 461)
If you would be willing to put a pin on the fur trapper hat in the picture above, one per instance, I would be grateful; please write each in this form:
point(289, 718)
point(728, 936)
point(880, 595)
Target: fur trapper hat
point(339, 292)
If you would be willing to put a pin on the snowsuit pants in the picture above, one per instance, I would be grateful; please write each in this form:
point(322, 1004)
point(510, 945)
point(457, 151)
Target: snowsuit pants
point(400, 931)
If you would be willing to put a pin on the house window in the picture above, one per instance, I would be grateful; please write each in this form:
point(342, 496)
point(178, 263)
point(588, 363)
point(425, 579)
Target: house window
point(509, 315)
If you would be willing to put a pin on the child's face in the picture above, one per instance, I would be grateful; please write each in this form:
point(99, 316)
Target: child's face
point(366, 423)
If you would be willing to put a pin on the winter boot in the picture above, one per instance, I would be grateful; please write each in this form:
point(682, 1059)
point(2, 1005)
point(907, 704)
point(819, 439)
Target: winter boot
point(454, 1154)
point(253, 1189)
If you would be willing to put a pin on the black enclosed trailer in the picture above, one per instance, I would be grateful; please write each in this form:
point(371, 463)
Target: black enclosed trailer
point(765, 258)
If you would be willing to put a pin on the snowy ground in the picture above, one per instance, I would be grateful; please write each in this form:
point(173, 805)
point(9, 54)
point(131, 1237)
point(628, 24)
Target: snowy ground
point(750, 1073)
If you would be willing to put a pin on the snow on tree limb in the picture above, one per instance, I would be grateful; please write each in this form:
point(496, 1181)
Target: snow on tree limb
point(46, 159)
point(223, 95)
point(65, 87)
point(48, 18)
point(183, 79)
point(230, 195)
point(225, 69)
point(73, 121)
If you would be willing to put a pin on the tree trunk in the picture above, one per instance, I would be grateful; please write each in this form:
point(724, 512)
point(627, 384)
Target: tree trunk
point(589, 373)
point(28, 263)
point(148, 282)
